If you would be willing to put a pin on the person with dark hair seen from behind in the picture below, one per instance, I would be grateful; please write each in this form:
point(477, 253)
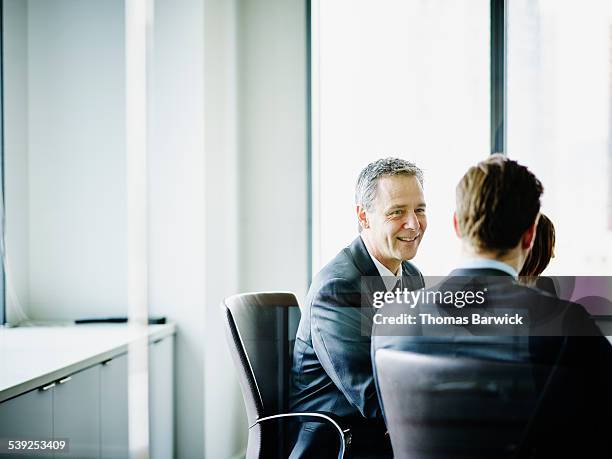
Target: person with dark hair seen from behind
point(497, 212)
point(543, 249)
point(332, 369)
point(541, 253)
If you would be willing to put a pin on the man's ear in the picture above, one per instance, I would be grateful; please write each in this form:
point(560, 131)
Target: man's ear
point(362, 217)
point(529, 235)
point(456, 225)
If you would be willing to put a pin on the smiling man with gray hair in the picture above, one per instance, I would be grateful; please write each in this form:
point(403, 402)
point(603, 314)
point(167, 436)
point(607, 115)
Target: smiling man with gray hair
point(332, 368)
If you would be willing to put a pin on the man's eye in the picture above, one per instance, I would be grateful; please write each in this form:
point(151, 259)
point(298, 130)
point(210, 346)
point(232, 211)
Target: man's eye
point(420, 210)
point(397, 212)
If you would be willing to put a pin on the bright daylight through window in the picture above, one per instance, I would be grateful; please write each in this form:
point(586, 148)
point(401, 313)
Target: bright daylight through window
point(559, 123)
point(411, 78)
point(405, 78)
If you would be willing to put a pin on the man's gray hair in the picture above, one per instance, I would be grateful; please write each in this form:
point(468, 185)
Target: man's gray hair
point(365, 191)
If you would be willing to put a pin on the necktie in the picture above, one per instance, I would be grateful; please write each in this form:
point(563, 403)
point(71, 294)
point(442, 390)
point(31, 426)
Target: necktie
point(398, 285)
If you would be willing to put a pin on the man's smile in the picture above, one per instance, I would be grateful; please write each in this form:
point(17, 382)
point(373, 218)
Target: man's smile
point(409, 239)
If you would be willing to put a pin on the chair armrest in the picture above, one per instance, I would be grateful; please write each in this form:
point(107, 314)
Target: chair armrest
point(344, 432)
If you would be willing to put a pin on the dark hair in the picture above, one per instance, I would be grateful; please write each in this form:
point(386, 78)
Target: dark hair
point(542, 250)
point(497, 201)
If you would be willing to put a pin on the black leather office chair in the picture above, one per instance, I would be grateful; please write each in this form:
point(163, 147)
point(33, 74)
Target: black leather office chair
point(446, 407)
point(261, 331)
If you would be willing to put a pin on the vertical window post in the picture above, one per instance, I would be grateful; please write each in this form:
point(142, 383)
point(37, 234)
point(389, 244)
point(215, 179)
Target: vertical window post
point(2, 241)
point(309, 147)
point(498, 75)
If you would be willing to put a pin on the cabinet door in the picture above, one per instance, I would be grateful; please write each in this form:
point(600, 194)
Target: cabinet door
point(161, 398)
point(28, 416)
point(76, 413)
point(114, 408)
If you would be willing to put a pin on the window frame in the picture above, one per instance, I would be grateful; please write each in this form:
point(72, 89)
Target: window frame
point(2, 204)
point(499, 56)
point(498, 101)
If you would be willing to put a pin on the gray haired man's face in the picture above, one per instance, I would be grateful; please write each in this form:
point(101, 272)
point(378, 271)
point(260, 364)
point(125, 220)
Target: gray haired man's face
point(394, 227)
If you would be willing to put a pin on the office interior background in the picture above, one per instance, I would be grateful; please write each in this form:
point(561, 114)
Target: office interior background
point(161, 155)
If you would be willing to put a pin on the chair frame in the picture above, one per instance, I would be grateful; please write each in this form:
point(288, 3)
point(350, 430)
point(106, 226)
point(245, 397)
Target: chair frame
point(243, 364)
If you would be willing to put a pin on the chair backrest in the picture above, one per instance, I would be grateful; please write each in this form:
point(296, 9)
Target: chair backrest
point(261, 329)
point(446, 407)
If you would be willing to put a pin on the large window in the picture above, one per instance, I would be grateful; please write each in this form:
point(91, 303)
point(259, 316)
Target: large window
point(559, 105)
point(411, 78)
point(405, 78)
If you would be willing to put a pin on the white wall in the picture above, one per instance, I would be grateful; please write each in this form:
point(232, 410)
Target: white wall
point(273, 217)
point(225, 421)
point(227, 181)
point(76, 139)
point(177, 206)
point(227, 211)
point(15, 57)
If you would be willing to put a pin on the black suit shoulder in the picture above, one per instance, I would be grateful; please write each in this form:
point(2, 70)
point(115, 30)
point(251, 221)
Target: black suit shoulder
point(576, 321)
point(344, 271)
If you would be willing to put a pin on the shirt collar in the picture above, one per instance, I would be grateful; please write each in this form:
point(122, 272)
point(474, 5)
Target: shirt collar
point(483, 263)
point(389, 278)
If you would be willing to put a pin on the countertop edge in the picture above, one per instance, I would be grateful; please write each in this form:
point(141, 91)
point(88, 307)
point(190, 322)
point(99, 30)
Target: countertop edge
point(46, 378)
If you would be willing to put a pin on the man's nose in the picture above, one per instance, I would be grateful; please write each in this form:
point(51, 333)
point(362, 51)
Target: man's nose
point(411, 221)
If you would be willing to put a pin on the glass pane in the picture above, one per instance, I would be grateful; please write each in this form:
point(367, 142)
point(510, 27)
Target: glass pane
point(397, 78)
point(559, 80)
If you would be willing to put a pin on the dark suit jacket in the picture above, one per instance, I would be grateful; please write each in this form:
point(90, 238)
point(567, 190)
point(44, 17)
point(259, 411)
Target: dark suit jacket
point(574, 414)
point(332, 369)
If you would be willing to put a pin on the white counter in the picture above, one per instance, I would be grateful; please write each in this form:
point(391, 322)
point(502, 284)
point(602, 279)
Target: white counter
point(33, 356)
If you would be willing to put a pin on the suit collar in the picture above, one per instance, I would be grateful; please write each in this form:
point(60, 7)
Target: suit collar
point(501, 276)
point(487, 263)
point(361, 258)
point(363, 261)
